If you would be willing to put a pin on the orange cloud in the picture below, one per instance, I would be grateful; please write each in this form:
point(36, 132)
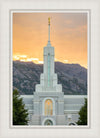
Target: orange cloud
point(68, 36)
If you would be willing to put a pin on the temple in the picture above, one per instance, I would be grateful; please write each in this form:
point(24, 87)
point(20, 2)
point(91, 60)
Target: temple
point(48, 105)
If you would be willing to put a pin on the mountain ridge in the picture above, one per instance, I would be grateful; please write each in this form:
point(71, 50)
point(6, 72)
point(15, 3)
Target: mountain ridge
point(73, 77)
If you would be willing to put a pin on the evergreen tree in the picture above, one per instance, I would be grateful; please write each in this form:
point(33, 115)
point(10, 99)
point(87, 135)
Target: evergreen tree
point(83, 114)
point(20, 114)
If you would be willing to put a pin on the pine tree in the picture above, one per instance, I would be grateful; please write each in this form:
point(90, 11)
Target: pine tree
point(83, 114)
point(20, 114)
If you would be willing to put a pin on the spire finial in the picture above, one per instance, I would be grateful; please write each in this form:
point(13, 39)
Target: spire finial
point(49, 32)
point(49, 20)
point(49, 29)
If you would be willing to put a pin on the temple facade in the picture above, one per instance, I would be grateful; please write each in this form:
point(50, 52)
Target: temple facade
point(48, 105)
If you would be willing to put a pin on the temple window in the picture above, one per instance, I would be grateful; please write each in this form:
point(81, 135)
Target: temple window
point(48, 107)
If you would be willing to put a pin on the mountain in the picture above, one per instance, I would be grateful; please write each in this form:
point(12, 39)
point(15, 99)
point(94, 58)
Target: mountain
point(73, 77)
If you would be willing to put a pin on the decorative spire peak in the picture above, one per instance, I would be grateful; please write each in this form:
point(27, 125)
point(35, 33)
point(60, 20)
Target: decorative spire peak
point(49, 20)
point(49, 32)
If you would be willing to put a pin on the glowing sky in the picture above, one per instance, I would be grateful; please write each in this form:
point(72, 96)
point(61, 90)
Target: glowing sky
point(68, 35)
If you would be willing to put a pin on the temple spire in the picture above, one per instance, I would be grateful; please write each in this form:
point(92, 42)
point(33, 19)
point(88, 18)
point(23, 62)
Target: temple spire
point(49, 20)
point(49, 31)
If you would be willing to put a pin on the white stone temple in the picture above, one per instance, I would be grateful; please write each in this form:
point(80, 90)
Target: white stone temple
point(48, 105)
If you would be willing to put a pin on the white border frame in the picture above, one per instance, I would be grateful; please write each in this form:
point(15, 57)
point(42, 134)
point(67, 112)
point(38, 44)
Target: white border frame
point(7, 132)
point(88, 61)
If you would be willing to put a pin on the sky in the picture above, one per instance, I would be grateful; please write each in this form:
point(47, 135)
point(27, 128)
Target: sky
point(68, 35)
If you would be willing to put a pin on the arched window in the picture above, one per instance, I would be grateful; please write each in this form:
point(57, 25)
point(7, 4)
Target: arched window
point(48, 122)
point(71, 124)
point(48, 107)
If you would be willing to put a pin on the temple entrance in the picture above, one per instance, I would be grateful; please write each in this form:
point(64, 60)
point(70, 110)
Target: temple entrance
point(48, 123)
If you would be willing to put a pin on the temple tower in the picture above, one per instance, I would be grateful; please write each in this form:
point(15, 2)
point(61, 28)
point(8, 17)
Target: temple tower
point(48, 95)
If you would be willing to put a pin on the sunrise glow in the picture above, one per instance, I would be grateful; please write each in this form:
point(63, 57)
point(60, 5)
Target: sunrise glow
point(68, 35)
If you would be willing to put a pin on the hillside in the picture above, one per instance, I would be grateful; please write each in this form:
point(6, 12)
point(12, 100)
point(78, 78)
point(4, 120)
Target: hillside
point(73, 77)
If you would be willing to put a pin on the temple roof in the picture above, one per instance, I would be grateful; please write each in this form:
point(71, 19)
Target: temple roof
point(71, 102)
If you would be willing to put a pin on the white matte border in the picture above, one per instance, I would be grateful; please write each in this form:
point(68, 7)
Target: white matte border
point(11, 64)
point(7, 132)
